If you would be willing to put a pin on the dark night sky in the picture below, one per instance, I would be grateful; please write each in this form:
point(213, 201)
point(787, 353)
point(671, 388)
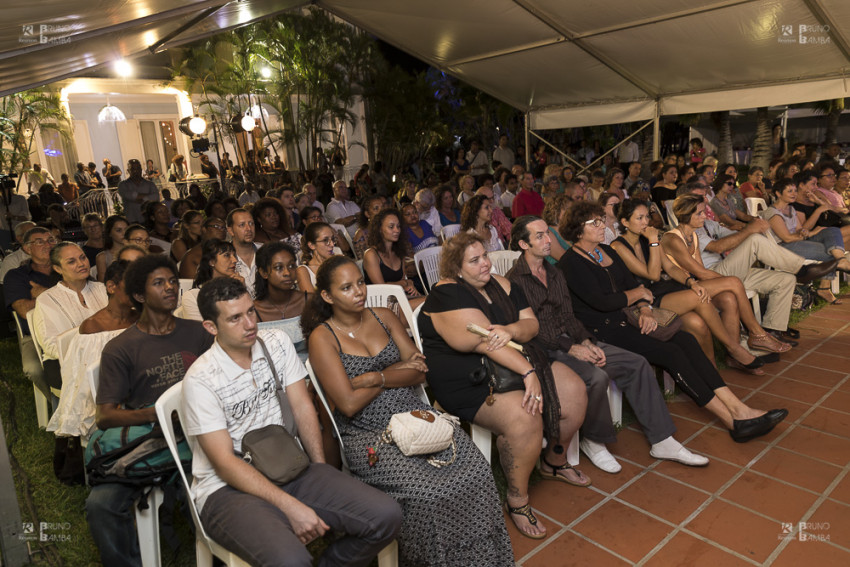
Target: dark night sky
point(400, 58)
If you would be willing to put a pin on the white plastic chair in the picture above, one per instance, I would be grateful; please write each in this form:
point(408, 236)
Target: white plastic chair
point(448, 231)
point(185, 285)
point(414, 327)
point(147, 521)
point(503, 261)
point(378, 295)
point(430, 265)
point(388, 557)
point(754, 205)
point(345, 234)
point(671, 218)
point(42, 406)
point(205, 548)
point(754, 297)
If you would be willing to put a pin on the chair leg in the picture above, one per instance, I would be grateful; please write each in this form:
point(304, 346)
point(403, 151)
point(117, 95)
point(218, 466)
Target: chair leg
point(42, 411)
point(147, 526)
point(669, 383)
point(483, 439)
point(572, 451)
point(203, 555)
point(757, 307)
point(388, 557)
point(615, 402)
point(834, 284)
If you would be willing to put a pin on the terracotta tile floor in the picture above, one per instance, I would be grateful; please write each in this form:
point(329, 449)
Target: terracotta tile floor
point(739, 509)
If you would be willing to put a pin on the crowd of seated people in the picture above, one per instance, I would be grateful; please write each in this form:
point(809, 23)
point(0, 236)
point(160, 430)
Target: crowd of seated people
point(600, 255)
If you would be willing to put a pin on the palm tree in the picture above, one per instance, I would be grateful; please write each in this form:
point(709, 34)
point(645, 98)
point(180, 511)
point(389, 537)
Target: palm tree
point(723, 124)
point(763, 143)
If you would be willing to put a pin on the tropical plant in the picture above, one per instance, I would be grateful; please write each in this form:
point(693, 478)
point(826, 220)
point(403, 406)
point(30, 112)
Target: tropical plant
point(723, 123)
point(21, 115)
point(832, 109)
point(763, 143)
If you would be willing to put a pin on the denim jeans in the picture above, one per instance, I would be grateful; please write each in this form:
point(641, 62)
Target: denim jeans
point(112, 523)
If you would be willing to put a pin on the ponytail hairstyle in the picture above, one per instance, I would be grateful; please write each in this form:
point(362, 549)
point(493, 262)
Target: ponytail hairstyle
point(311, 233)
point(317, 310)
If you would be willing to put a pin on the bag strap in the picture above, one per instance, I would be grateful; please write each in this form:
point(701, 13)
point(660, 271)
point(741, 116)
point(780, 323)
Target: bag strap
point(285, 408)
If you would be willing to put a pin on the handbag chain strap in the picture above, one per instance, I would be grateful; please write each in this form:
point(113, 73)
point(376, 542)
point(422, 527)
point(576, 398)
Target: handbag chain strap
point(285, 408)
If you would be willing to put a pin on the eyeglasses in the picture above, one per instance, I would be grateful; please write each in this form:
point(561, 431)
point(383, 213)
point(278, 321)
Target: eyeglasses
point(730, 183)
point(140, 240)
point(326, 241)
point(595, 222)
point(216, 226)
point(827, 175)
point(42, 242)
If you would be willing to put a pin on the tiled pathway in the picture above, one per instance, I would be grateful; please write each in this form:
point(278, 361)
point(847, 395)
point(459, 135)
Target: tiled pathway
point(748, 505)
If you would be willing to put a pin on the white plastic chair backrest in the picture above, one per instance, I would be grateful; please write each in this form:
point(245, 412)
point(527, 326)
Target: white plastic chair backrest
point(671, 218)
point(378, 295)
point(414, 327)
point(93, 376)
point(503, 261)
point(185, 285)
point(430, 264)
point(18, 327)
point(318, 387)
point(345, 234)
point(166, 405)
point(754, 205)
point(35, 340)
point(449, 230)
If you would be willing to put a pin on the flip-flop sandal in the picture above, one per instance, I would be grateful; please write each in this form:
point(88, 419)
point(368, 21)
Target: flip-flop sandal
point(526, 511)
point(555, 476)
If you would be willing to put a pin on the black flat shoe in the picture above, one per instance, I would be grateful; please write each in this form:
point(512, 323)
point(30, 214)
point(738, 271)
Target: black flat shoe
point(812, 272)
point(748, 429)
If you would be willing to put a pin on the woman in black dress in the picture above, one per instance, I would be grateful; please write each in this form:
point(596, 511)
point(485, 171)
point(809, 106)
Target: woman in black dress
point(554, 398)
point(601, 286)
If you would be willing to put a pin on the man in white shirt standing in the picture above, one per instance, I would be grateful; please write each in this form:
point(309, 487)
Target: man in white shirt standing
point(503, 154)
point(477, 160)
point(342, 211)
point(240, 227)
point(628, 153)
point(229, 391)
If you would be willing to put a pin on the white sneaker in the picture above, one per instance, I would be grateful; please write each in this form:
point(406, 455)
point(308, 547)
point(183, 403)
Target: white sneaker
point(599, 456)
point(671, 450)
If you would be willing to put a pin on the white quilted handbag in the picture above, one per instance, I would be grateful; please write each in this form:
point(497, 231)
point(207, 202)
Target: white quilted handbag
point(421, 432)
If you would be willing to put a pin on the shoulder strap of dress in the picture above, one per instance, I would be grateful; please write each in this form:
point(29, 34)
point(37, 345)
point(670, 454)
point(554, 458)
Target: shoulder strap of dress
point(387, 331)
point(328, 327)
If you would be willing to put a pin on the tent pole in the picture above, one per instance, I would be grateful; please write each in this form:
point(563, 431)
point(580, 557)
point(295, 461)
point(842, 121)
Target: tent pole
point(656, 133)
point(527, 142)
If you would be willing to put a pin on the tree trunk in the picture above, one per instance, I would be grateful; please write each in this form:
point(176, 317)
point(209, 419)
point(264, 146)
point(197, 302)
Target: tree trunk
point(832, 118)
point(724, 127)
point(646, 150)
point(763, 143)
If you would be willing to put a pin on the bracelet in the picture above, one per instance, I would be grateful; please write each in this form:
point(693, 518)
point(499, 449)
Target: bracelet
point(383, 379)
point(527, 374)
point(654, 244)
point(690, 278)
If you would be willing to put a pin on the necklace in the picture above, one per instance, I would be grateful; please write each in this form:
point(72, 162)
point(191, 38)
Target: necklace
point(349, 333)
point(689, 240)
point(285, 307)
point(597, 257)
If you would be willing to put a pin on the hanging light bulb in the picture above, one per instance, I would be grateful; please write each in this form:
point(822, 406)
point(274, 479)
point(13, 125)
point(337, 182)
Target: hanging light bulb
point(110, 113)
point(197, 125)
point(248, 123)
point(266, 72)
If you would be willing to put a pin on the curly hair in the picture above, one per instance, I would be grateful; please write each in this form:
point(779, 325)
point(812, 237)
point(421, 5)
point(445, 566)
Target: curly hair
point(453, 251)
point(210, 250)
point(469, 213)
point(317, 310)
point(362, 219)
point(552, 210)
point(311, 234)
point(375, 239)
point(136, 276)
point(264, 258)
point(610, 177)
point(438, 195)
point(572, 225)
point(268, 202)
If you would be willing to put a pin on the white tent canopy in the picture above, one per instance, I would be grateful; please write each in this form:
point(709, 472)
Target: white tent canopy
point(566, 63)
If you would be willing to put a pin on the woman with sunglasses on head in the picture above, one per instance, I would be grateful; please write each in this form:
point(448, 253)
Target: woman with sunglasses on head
point(317, 246)
point(725, 205)
point(602, 287)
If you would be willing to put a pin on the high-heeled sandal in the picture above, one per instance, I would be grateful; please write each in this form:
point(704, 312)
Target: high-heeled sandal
point(829, 297)
point(525, 510)
point(767, 342)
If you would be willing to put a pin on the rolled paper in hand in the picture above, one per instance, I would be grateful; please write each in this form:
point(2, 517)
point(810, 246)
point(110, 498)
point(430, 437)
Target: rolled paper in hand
point(481, 331)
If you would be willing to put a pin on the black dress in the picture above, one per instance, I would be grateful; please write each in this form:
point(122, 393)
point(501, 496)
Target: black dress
point(448, 369)
point(598, 302)
point(658, 288)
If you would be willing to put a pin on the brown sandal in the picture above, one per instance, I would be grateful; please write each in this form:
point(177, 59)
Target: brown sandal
point(767, 342)
point(525, 510)
point(566, 466)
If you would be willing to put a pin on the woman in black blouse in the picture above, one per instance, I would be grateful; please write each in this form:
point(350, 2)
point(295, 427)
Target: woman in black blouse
point(601, 286)
point(554, 398)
